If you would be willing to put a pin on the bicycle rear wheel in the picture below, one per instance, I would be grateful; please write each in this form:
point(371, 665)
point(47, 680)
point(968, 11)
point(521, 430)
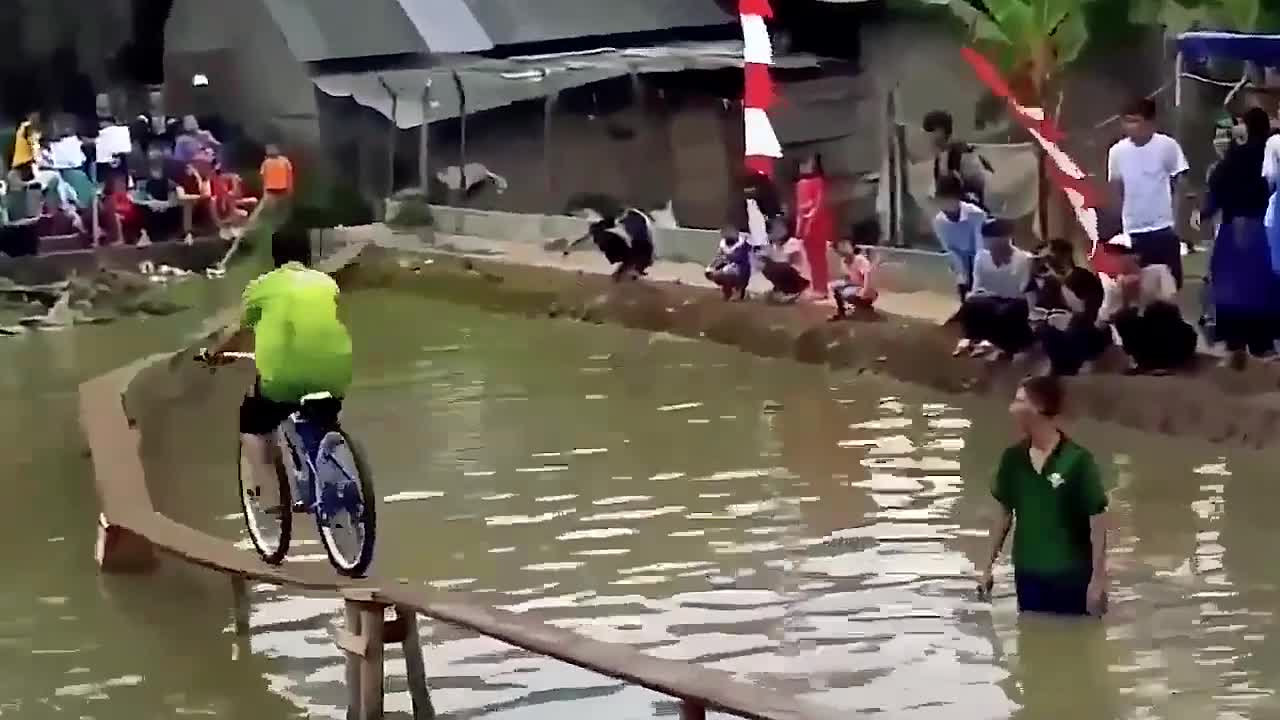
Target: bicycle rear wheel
point(268, 514)
point(346, 515)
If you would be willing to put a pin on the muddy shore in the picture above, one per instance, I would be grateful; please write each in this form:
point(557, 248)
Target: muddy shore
point(1206, 402)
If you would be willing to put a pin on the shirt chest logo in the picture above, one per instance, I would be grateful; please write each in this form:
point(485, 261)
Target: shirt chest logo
point(1056, 480)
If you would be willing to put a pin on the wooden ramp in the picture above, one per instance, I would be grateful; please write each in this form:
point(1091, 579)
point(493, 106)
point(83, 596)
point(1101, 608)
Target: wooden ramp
point(132, 531)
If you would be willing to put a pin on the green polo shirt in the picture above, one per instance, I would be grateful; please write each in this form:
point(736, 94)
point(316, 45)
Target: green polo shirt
point(1051, 508)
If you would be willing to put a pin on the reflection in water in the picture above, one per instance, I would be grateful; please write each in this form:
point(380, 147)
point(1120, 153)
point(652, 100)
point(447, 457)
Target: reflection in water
point(804, 530)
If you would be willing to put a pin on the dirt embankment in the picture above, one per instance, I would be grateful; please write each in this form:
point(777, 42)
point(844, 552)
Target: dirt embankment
point(1208, 403)
point(100, 285)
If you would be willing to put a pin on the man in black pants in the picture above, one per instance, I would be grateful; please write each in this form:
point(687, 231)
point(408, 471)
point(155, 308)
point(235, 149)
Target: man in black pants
point(1145, 168)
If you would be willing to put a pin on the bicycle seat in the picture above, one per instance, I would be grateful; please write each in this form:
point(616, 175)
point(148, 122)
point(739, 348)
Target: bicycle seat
point(321, 408)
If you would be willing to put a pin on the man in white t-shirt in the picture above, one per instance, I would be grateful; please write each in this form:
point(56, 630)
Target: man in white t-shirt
point(1143, 169)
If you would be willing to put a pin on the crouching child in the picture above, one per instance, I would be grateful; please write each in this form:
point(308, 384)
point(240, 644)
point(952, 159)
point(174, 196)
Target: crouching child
point(730, 270)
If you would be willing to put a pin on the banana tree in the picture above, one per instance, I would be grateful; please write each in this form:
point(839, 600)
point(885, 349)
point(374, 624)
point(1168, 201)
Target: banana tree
point(1033, 40)
point(1178, 16)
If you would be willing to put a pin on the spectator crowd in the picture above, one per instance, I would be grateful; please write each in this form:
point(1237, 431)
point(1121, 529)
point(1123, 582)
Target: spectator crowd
point(1052, 300)
point(155, 178)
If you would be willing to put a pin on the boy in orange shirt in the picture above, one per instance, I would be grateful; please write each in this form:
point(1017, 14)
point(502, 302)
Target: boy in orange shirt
point(277, 183)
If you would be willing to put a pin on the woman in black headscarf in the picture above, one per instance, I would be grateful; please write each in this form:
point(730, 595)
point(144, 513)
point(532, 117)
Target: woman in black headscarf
point(1243, 290)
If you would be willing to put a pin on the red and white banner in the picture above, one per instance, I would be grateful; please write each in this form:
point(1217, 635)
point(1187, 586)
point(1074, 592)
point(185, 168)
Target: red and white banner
point(1064, 171)
point(762, 146)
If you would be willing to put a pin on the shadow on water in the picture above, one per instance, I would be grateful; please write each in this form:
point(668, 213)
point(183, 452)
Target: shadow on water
point(805, 530)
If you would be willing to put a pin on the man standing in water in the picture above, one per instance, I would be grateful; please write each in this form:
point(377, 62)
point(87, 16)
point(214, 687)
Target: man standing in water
point(1051, 495)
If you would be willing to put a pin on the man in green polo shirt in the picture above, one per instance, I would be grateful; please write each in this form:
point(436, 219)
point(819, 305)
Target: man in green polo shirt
point(1052, 496)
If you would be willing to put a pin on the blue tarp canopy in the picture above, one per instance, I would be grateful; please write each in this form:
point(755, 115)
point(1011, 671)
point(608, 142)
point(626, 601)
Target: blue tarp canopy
point(1261, 49)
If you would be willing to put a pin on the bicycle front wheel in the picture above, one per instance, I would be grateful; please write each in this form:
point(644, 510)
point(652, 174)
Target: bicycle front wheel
point(345, 515)
point(266, 503)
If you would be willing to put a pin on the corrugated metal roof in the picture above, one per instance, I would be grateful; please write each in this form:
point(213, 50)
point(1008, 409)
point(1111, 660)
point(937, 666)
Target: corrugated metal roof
point(340, 29)
point(510, 22)
point(494, 83)
point(319, 30)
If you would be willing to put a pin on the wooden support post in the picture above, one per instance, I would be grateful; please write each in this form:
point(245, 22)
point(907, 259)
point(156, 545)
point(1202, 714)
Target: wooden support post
point(414, 667)
point(371, 671)
point(351, 614)
point(121, 551)
point(240, 604)
point(690, 710)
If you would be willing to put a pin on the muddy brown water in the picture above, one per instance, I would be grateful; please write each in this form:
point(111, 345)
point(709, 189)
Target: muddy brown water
point(806, 530)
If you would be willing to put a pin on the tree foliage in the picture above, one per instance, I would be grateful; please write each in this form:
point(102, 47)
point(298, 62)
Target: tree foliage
point(1032, 39)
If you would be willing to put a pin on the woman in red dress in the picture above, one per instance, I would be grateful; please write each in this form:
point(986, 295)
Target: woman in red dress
point(815, 223)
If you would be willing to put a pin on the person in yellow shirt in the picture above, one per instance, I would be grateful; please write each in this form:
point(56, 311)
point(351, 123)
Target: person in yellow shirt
point(26, 147)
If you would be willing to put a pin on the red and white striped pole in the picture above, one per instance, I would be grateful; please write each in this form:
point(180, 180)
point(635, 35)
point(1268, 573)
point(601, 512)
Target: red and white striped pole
point(762, 147)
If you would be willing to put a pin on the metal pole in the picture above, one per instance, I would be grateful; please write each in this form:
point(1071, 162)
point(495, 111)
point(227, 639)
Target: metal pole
point(1177, 80)
point(462, 137)
point(424, 143)
point(93, 183)
point(393, 131)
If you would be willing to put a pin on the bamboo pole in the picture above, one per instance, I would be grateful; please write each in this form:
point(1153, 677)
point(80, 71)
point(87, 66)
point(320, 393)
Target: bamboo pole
point(424, 143)
point(414, 666)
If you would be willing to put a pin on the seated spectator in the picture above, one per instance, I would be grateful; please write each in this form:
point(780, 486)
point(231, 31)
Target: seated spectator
point(26, 148)
point(856, 285)
point(231, 206)
point(124, 219)
point(158, 199)
point(783, 263)
point(1068, 298)
point(995, 315)
point(195, 195)
point(194, 144)
point(112, 147)
point(958, 227)
point(1139, 303)
point(730, 270)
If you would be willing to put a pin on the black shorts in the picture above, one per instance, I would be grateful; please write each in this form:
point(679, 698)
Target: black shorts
point(260, 415)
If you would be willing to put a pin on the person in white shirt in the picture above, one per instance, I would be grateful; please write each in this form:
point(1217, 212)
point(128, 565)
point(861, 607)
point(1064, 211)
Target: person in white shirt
point(783, 263)
point(995, 315)
point(1144, 169)
point(1139, 302)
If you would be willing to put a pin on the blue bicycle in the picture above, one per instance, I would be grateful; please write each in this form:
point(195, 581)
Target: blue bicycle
point(319, 470)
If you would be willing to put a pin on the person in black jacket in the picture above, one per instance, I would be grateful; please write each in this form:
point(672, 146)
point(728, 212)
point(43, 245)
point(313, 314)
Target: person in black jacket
point(957, 159)
point(1068, 299)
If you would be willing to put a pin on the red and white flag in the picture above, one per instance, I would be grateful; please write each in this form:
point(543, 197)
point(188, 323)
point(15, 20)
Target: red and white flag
point(1065, 172)
point(762, 146)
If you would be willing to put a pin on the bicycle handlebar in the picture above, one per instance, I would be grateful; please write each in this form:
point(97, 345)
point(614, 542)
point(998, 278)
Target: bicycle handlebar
point(204, 357)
